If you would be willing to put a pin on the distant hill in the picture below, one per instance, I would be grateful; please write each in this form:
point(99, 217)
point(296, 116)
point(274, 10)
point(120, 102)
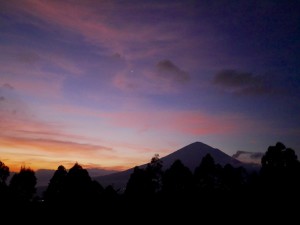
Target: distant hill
point(190, 155)
point(44, 175)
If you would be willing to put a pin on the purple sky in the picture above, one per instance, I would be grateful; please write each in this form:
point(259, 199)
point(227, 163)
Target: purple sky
point(111, 83)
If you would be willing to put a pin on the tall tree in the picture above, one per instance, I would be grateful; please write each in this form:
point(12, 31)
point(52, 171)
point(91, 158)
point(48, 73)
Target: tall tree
point(177, 179)
point(138, 184)
point(207, 174)
point(154, 173)
point(22, 184)
point(232, 179)
point(55, 189)
point(4, 173)
point(145, 182)
point(280, 168)
point(78, 184)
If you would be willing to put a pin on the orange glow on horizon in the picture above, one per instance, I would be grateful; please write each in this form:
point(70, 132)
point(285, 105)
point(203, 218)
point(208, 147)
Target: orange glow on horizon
point(49, 154)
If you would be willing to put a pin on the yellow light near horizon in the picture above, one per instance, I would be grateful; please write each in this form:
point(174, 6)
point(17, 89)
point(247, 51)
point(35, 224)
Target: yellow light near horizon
point(35, 158)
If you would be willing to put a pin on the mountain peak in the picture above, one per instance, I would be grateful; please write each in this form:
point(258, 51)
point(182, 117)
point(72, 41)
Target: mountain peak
point(192, 154)
point(197, 144)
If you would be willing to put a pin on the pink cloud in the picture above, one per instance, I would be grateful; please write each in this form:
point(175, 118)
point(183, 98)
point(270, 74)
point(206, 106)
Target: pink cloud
point(186, 122)
point(24, 69)
point(18, 120)
point(45, 88)
point(52, 146)
point(74, 17)
point(101, 23)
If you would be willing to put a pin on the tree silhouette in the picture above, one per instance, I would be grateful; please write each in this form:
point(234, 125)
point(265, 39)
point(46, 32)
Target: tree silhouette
point(273, 159)
point(138, 183)
point(207, 174)
point(177, 179)
point(4, 173)
point(154, 172)
point(232, 179)
point(278, 159)
point(55, 189)
point(145, 182)
point(97, 190)
point(280, 168)
point(110, 196)
point(22, 184)
point(78, 186)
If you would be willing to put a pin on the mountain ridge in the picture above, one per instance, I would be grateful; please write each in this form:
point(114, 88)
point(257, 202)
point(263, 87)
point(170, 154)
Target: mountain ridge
point(190, 155)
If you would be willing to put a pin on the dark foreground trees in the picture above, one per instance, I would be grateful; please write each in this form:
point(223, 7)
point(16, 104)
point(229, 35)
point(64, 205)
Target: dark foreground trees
point(211, 188)
point(56, 187)
point(280, 171)
point(177, 180)
point(4, 173)
point(145, 182)
point(22, 185)
point(72, 187)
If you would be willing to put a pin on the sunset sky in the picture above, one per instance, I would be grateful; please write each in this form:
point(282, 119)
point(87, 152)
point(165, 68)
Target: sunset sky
point(111, 83)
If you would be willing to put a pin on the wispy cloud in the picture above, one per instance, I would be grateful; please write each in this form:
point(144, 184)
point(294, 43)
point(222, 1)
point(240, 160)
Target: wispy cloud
point(46, 88)
point(184, 122)
point(32, 76)
point(28, 140)
point(21, 119)
point(80, 18)
point(15, 115)
point(53, 146)
point(36, 59)
point(49, 153)
point(193, 122)
point(8, 86)
point(102, 24)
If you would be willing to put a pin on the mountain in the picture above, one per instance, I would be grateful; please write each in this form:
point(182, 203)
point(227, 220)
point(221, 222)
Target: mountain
point(190, 155)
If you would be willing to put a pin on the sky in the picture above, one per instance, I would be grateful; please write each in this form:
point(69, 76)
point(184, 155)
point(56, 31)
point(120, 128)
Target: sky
point(108, 84)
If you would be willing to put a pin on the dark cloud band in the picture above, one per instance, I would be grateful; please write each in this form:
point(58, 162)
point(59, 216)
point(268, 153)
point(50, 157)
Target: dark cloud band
point(168, 70)
point(243, 83)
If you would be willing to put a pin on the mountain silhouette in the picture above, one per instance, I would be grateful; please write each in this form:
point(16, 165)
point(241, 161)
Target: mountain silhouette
point(190, 155)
